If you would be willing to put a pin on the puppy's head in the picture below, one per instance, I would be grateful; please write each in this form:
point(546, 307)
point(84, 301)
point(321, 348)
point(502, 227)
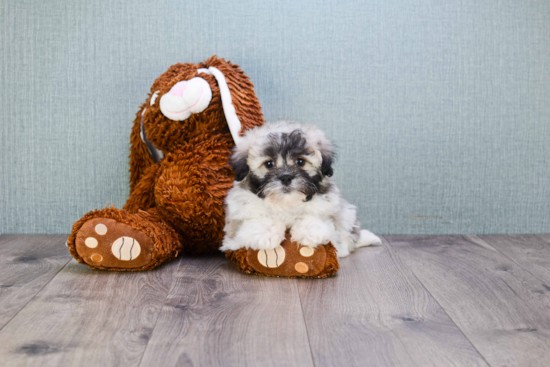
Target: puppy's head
point(284, 163)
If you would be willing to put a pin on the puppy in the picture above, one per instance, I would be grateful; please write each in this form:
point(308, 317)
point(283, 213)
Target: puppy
point(283, 182)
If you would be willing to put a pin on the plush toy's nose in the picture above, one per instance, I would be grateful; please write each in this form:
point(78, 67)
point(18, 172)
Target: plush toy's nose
point(185, 98)
point(178, 89)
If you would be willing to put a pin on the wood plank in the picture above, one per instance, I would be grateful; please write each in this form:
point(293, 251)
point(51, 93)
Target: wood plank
point(27, 264)
point(376, 313)
point(531, 252)
point(215, 315)
point(87, 317)
point(500, 307)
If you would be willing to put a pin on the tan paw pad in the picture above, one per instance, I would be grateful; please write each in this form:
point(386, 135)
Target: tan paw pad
point(306, 251)
point(126, 248)
point(91, 242)
point(271, 258)
point(101, 229)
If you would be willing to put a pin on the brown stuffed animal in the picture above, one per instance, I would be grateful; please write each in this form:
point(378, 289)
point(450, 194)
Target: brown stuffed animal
point(181, 141)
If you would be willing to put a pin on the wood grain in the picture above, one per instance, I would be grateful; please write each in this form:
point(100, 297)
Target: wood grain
point(215, 316)
point(531, 252)
point(376, 313)
point(27, 264)
point(500, 307)
point(87, 317)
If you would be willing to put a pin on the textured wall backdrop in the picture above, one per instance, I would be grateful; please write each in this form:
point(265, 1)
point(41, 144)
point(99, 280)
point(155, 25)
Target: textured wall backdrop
point(440, 109)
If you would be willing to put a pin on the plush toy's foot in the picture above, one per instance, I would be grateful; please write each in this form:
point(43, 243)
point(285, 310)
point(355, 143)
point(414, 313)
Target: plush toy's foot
point(289, 260)
point(113, 239)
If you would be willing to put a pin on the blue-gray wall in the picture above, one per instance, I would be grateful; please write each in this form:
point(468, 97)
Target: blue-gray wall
point(440, 109)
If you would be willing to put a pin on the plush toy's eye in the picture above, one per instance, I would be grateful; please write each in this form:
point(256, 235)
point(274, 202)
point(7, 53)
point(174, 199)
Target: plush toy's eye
point(269, 164)
point(300, 162)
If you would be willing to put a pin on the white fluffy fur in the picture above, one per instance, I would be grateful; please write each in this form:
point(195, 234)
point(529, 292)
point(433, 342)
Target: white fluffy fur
point(256, 223)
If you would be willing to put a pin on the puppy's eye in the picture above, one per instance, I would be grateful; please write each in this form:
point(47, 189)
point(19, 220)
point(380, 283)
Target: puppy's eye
point(269, 164)
point(300, 162)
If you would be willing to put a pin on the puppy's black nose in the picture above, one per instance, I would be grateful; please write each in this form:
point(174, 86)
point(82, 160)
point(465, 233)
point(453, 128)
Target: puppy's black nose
point(286, 179)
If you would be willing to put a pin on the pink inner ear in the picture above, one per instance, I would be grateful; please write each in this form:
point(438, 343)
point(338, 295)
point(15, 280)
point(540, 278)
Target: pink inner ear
point(178, 89)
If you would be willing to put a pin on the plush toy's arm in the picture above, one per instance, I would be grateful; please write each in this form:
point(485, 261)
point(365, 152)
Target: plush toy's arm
point(142, 196)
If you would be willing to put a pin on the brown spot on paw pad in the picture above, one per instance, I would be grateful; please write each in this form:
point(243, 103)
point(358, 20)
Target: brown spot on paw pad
point(288, 260)
point(301, 267)
point(111, 244)
point(97, 258)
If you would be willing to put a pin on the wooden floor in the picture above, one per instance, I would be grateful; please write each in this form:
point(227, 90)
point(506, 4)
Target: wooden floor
point(413, 301)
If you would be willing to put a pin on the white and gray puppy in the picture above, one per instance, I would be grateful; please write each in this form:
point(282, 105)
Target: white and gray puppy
point(283, 182)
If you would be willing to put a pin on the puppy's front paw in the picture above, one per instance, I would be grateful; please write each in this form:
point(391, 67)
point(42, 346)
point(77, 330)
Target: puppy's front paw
point(312, 232)
point(261, 234)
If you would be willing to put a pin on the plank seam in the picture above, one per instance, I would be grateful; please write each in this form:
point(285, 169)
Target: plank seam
point(395, 251)
point(304, 320)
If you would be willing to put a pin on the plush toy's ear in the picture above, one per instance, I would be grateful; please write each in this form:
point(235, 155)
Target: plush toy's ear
point(242, 109)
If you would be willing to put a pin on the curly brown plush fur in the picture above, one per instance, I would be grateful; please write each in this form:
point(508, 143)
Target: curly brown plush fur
point(178, 202)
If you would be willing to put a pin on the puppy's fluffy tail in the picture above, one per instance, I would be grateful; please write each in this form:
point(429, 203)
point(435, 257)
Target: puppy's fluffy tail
point(367, 238)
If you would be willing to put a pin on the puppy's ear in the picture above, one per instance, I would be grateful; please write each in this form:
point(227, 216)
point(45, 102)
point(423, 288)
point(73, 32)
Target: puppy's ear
point(239, 161)
point(323, 148)
point(326, 148)
point(326, 164)
point(240, 167)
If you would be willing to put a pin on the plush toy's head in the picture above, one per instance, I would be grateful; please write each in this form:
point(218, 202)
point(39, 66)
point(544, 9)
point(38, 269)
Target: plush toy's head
point(188, 103)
